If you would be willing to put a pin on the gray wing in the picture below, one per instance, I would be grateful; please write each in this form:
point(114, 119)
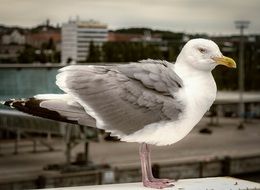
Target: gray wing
point(124, 98)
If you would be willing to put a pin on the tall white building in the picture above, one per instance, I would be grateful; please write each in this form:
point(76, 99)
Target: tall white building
point(76, 37)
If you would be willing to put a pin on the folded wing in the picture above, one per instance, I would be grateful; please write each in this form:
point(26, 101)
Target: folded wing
point(124, 98)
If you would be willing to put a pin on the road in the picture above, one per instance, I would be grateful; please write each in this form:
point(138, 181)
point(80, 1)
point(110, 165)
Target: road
point(226, 140)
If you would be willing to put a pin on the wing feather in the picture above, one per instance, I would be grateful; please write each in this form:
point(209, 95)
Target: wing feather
point(124, 98)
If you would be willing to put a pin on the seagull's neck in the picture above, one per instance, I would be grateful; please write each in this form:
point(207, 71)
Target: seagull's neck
point(185, 71)
point(198, 83)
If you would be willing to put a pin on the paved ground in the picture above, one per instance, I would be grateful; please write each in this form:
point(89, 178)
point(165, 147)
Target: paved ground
point(225, 140)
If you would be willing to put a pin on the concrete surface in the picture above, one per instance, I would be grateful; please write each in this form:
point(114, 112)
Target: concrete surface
point(218, 183)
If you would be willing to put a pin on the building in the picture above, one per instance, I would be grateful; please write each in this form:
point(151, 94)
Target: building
point(42, 35)
point(12, 44)
point(14, 37)
point(9, 53)
point(76, 37)
point(125, 37)
point(145, 38)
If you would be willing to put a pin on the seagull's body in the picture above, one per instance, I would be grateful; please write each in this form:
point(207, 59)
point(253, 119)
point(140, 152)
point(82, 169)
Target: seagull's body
point(150, 102)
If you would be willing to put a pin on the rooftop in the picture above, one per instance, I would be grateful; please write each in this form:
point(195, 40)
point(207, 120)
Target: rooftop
point(88, 24)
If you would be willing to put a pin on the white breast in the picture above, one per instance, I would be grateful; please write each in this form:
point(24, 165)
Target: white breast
point(199, 94)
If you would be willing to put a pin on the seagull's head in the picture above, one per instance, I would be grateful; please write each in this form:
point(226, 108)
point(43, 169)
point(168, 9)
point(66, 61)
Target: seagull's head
point(203, 54)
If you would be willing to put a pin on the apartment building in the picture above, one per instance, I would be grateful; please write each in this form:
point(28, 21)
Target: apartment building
point(76, 37)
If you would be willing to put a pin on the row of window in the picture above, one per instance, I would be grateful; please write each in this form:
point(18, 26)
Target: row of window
point(91, 32)
point(84, 41)
point(92, 35)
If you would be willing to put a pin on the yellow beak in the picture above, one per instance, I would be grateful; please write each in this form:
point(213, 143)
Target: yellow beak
point(229, 62)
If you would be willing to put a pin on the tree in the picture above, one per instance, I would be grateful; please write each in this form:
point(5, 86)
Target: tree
point(152, 51)
point(48, 53)
point(130, 51)
point(27, 55)
point(94, 54)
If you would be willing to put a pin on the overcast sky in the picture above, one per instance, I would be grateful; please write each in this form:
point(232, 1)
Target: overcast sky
point(204, 16)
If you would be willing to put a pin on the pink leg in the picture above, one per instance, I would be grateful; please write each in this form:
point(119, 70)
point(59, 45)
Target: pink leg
point(149, 168)
point(147, 176)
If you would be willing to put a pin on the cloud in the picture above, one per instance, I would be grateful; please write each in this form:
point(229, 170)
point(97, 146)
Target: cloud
point(216, 16)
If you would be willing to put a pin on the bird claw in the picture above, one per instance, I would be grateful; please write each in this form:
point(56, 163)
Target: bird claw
point(163, 180)
point(158, 183)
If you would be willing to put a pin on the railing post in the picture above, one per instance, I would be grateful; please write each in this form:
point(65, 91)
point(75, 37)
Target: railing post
point(226, 166)
point(156, 170)
point(17, 140)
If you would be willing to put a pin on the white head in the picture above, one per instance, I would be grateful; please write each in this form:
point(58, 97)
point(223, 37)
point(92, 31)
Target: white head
point(203, 54)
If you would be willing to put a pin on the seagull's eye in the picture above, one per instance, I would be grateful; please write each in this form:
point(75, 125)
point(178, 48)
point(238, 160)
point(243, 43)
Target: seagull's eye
point(202, 50)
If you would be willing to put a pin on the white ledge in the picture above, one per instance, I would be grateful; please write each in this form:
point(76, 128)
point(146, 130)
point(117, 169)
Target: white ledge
point(214, 183)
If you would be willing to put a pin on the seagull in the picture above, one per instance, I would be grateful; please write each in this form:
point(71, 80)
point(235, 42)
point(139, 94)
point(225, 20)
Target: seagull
point(151, 102)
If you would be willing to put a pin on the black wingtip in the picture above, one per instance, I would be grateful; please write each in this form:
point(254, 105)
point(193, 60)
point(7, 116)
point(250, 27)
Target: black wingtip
point(7, 103)
point(32, 106)
point(10, 103)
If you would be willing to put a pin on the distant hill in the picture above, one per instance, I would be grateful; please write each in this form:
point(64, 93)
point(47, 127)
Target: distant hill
point(8, 29)
point(166, 35)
